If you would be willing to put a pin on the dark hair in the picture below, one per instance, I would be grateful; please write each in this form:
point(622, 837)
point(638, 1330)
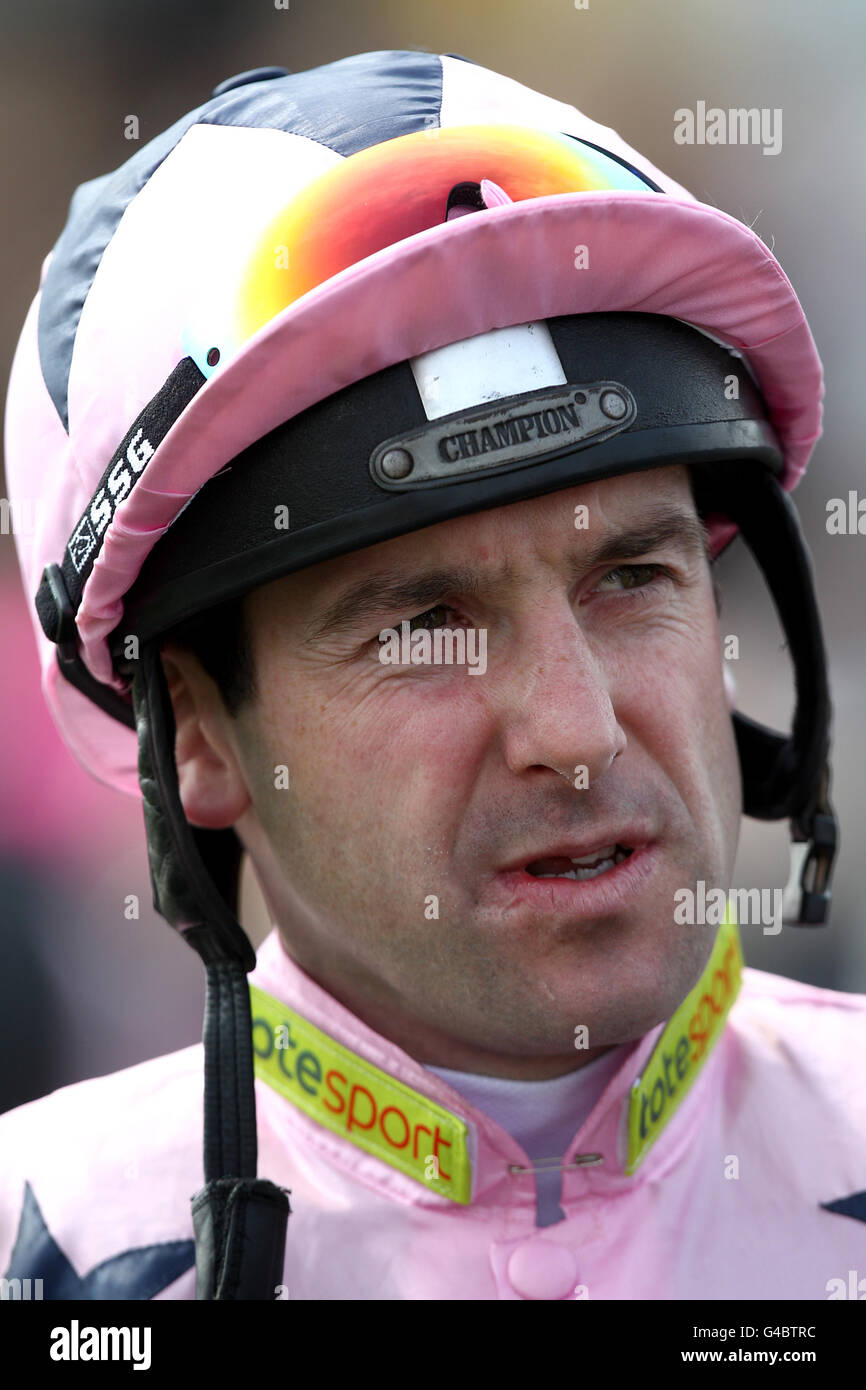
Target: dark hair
point(219, 638)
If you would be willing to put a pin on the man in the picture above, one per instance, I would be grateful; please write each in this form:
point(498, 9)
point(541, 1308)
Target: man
point(390, 532)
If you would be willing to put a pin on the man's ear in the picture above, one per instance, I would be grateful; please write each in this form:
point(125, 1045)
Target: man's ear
point(213, 791)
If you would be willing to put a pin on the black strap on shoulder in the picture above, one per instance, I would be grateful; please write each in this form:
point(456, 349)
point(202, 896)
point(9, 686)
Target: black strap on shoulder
point(240, 1235)
point(239, 1221)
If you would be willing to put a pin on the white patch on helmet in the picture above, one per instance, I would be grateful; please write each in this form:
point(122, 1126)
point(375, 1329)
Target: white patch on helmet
point(486, 367)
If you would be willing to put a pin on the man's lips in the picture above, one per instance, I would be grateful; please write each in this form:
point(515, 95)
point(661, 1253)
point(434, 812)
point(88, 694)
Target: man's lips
point(616, 889)
point(629, 837)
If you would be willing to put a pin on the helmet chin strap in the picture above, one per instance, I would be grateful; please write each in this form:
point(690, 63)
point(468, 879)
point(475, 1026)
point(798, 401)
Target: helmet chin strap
point(786, 776)
point(239, 1220)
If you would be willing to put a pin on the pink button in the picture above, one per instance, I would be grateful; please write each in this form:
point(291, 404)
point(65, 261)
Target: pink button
point(541, 1268)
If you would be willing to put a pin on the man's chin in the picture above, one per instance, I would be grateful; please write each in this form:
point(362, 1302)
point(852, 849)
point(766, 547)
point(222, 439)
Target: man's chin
point(612, 999)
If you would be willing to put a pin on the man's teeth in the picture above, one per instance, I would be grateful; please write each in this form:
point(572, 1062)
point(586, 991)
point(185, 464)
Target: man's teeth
point(608, 852)
point(580, 874)
point(591, 865)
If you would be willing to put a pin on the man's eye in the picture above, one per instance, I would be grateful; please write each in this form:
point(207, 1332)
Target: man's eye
point(423, 621)
point(631, 576)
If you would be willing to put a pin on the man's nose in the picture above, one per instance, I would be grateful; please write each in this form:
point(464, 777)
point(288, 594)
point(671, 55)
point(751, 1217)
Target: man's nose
point(557, 709)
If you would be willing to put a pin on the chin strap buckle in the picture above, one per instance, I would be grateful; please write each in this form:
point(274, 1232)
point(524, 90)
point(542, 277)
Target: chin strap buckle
point(55, 610)
point(57, 616)
point(820, 830)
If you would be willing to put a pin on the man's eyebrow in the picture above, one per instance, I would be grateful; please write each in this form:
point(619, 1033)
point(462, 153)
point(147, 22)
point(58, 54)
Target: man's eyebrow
point(654, 531)
point(389, 590)
point(386, 590)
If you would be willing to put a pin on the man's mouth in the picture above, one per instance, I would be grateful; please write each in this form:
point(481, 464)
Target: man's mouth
point(600, 861)
point(579, 878)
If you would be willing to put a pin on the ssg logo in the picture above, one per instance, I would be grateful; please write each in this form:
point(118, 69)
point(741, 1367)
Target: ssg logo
point(117, 485)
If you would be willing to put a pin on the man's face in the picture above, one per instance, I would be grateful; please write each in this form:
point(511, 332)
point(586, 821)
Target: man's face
point(402, 862)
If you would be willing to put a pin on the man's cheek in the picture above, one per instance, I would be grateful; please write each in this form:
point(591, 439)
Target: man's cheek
point(716, 775)
point(702, 680)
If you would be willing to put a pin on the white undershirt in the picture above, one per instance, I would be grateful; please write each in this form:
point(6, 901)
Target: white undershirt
point(543, 1116)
